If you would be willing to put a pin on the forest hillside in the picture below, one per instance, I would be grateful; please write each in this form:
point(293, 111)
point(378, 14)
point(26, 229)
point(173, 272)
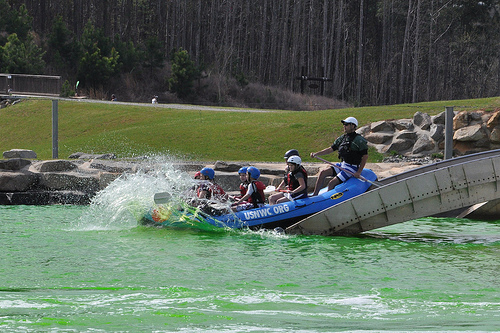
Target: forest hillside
point(360, 52)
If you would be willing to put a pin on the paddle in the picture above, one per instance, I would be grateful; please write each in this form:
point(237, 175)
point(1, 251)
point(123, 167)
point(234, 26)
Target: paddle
point(270, 189)
point(162, 197)
point(350, 172)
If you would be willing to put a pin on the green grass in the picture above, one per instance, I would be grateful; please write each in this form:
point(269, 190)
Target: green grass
point(131, 131)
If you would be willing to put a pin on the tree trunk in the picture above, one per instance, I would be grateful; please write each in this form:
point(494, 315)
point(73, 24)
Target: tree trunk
point(404, 64)
point(430, 52)
point(416, 55)
point(337, 85)
point(359, 79)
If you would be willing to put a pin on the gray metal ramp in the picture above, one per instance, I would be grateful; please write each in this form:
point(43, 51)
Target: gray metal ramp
point(427, 191)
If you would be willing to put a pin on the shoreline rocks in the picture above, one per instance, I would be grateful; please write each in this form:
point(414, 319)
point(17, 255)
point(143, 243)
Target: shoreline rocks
point(34, 182)
point(423, 135)
point(29, 182)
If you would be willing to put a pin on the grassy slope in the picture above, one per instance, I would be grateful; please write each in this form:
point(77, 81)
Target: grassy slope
point(192, 134)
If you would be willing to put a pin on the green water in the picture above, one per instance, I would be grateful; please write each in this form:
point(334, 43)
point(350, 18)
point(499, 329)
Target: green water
point(60, 272)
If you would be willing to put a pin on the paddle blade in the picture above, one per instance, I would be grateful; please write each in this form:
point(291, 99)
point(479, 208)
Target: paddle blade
point(269, 189)
point(162, 198)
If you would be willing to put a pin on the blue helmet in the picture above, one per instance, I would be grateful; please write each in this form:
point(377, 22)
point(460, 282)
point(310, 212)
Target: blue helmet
point(254, 172)
point(243, 170)
point(209, 172)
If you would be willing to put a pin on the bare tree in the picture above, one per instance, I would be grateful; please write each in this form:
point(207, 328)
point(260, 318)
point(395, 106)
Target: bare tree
point(359, 66)
point(416, 55)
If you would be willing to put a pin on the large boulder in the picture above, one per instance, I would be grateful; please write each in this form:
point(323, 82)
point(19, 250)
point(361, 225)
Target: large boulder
point(495, 135)
point(406, 135)
point(437, 132)
point(105, 178)
point(54, 166)
point(422, 120)
point(470, 133)
point(19, 153)
point(14, 164)
point(45, 198)
point(85, 156)
point(382, 126)
point(424, 143)
point(18, 181)
point(465, 118)
point(462, 119)
point(226, 167)
point(465, 148)
point(364, 130)
point(113, 167)
point(379, 137)
point(398, 145)
point(439, 119)
point(494, 121)
point(403, 125)
point(69, 181)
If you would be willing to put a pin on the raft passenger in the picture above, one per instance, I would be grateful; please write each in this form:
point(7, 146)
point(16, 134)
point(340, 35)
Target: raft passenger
point(297, 183)
point(210, 190)
point(353, 153)
point(284, 183)
point(242, 172)
point(254, 197)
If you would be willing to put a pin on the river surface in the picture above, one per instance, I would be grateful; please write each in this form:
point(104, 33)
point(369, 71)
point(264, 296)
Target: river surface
point(93, 269)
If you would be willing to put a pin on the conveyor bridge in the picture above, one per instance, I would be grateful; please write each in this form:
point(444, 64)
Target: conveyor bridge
point(451, 185)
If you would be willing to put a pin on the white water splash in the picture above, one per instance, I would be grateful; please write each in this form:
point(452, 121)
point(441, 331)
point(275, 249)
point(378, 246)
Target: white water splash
point(127, 198)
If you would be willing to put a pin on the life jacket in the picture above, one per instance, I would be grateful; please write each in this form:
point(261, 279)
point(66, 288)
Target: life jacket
point(243, 189)
point(293, 183)
point(346, 153)
point(257, 196)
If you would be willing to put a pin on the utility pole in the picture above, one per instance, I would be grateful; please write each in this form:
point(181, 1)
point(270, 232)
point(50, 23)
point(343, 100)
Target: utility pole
point(448, 133)
point(55, 125)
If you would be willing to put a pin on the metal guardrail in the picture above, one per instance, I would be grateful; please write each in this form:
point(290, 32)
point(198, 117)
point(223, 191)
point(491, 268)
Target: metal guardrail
point(25, 84)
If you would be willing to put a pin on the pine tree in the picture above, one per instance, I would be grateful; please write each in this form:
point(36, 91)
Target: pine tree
point(184, 72)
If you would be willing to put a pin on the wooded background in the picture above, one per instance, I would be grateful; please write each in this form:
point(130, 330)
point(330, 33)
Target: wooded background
point(375, 52)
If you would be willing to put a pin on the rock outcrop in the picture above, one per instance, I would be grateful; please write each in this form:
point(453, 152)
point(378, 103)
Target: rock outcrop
point(424, 135)
point(29, 182)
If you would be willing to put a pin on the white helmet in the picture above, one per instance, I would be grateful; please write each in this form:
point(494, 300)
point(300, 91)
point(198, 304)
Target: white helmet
point(294, 159)
point(350, 120)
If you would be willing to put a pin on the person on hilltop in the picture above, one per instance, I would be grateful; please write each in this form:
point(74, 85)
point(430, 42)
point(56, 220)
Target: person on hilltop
point(113, 98)
point(154, 100)
point(353, 153)
point(254, 197)
point(296, 180)
point(210, 190)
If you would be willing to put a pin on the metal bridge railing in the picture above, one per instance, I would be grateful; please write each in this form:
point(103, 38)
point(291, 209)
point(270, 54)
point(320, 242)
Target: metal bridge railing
point(45, 85)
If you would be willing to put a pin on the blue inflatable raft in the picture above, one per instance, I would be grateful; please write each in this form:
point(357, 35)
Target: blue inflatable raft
point(180, 214)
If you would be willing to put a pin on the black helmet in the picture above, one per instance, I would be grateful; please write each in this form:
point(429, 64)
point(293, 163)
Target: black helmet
point(291, 152)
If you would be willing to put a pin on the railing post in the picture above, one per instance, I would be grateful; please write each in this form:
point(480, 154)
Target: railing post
point(55, 124)
point(448, 133)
